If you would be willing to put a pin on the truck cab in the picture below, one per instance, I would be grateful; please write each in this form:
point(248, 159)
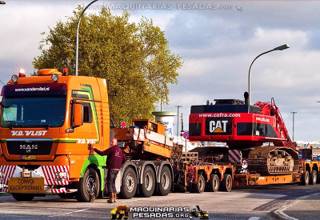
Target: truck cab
point(48, 120)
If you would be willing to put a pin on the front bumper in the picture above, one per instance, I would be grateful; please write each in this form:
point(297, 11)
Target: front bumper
point(56, 178)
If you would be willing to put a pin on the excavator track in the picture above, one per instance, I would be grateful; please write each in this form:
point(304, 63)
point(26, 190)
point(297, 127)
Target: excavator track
point(273, 160)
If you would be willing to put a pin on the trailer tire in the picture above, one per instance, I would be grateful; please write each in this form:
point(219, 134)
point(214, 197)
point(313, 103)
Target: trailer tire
point(22, 197)
point(314, 177)
point(149, 182)
point(200, 185)
point(226, 184)
point(305, 180)
point(164, 187)
point(129, 183)
point(89, 180)
point(214, 183)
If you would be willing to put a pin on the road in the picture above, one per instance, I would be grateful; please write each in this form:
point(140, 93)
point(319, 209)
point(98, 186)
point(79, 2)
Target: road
point(272, 202)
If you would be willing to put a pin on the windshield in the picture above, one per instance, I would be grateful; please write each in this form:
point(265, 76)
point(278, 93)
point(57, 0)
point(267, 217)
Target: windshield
point(33, 112)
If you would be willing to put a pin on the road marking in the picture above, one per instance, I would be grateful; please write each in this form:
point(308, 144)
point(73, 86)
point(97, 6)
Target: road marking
point(254, 218)
point(280, 212)
point(282, 215)
point(68, 213)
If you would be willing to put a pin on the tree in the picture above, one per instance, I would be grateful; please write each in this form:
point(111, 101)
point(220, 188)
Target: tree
point(134, 58)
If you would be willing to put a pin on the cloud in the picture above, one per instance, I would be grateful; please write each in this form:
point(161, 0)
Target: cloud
point(21, 23)
point(290, 76)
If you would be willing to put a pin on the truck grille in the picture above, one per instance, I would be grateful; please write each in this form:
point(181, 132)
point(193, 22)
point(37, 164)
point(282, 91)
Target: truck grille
point(29, 147)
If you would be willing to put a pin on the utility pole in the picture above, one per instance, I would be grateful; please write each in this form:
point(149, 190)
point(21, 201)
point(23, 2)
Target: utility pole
point(178, 118)
point(293, 114)
point(181, 118)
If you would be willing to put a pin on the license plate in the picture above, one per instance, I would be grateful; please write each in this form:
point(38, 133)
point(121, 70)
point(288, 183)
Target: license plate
point(26, 185)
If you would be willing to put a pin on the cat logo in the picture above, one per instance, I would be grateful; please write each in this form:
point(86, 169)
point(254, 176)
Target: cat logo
point(219, 126)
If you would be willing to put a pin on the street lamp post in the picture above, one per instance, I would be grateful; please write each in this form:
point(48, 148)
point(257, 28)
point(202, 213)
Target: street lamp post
point(282, 47)
point(178, 118)
point(77, 36)
point(293, 114)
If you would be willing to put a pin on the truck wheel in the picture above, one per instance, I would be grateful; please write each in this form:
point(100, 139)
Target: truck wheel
point(149, 182)
point(226, 184)
point(305, 179)
point(89, 187)
point(200, 185)
point(165, 184)
point(22, 197)
point(314, 177)
point(129, 183)
point(214, 183)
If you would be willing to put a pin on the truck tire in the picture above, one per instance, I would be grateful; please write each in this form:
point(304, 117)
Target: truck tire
point(149, 182)
point(89, 187)
point(164, 187)
point(305, 179)
point(226, 184)
point(200, 185)
point(214, 183)
point(129, 183)
point(314, 177)
point(22, 197)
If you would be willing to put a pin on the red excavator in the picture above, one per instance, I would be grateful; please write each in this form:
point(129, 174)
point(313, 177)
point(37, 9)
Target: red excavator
point(258, 131)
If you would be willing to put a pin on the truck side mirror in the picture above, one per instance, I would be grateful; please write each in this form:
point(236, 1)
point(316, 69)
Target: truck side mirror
point(77, 119)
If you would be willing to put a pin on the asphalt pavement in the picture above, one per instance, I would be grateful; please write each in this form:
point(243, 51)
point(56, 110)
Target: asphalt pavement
point(270, 202)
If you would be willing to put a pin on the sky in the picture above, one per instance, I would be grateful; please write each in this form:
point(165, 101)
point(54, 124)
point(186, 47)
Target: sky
point(217, 41)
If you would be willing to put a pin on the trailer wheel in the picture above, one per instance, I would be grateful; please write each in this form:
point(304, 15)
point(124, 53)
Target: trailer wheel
point(129, 183)
point(214, 183)
point(200, 185)
point(226, 184)
point(89, 186)
point(22, 197)
point(149, 182)
point(164, 187)
point(314, 177)
point(305, 180)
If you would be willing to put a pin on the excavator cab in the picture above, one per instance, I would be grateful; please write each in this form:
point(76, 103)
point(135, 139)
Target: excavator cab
point(150, 125)
point(231, 121)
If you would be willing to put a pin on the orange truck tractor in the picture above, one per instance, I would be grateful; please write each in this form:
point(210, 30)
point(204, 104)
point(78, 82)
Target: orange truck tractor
point(47, 122)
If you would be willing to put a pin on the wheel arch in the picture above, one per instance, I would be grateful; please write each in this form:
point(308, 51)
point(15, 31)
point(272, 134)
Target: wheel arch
point(96, 168)
point(216, 171)
point(165, 163)
point(204, 174)
point(143, 166)
point(307, 168)
point(315, 167)
point(124, 167)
